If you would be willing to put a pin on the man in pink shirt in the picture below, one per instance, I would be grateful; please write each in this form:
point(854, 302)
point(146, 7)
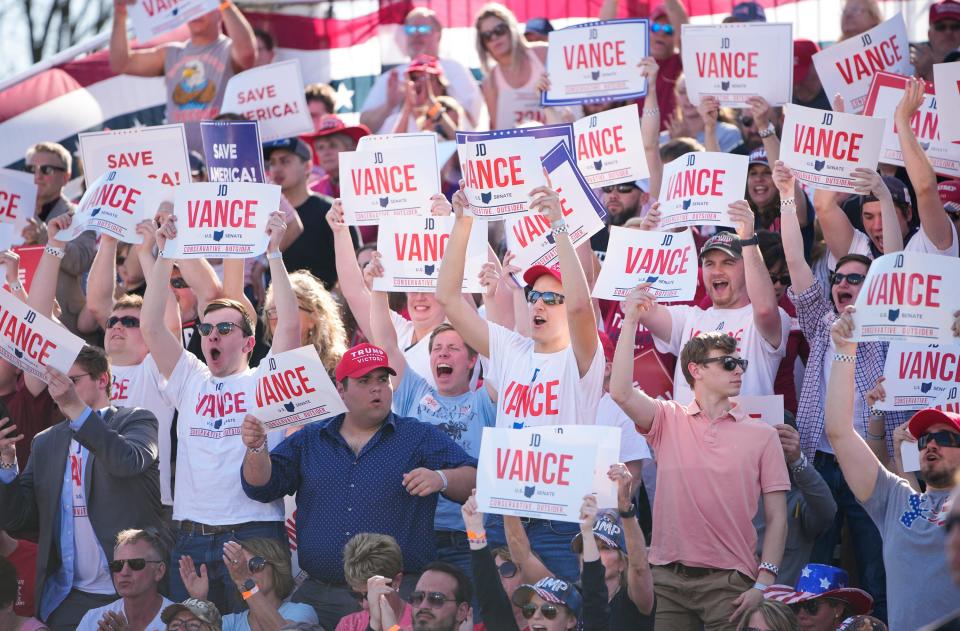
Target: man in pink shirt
point(713, 463)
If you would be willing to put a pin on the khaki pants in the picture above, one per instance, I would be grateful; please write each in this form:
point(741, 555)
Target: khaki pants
point(692, 598)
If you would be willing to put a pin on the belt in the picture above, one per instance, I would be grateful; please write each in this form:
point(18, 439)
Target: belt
point(690, 571)
point(196, 528)
point(449, 537)
point(823, 456)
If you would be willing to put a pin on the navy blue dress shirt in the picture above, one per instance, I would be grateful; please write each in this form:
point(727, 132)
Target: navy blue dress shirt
point(340, 494)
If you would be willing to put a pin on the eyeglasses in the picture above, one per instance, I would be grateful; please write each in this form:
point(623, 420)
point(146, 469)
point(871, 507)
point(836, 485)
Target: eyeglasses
point(623, 189)
point(77, 378)
point(548, 610)
point(418, 29)
point(783, 279)
point(434, 599)
point(549, 297)
point(507, 569)
point(746, 121)
point(46, 169)
point(189, 625)
point(666, 29)
point(135, 564)
point(942, 438)
point(179, 283)
point(128, 322)
point(497, 31)
point(853, 279)
point(728, 363)
point(951, 26)
point(223, 328)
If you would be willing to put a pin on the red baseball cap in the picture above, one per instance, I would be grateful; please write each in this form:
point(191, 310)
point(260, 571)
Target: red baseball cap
point(950, 195)
point(331, 124)
point(425, 63)
point(803, 52)
point(531, 275)
point(361, 359)
point(659, 12)
point(944, 10)
point(924, 419)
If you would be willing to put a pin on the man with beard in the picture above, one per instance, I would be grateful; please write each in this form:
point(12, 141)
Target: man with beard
point(622, 202)
point(912, 525)
point(441, 600)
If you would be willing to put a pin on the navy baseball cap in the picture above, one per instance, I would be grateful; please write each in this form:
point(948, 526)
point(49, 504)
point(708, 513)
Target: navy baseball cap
point(538, 25)
point(898, 191)
point(293, 145)
point(552, 590)
point(606, 529)
point(726, 242)
point(746, 12)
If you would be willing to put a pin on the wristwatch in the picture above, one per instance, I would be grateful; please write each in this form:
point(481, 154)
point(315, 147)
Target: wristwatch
point(751, 241)
point(629, 513)
point(767, 131)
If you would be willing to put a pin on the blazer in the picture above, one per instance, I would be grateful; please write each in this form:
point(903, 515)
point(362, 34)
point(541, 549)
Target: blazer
point(121, 482)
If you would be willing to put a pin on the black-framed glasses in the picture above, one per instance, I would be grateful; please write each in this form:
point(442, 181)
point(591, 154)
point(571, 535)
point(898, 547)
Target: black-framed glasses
point(852, 279)
point(623, 189)
point(434, 599)
point(223, 328)
point(666, 29)
point(497, 31)
point(136, 565)
point(549, 611)
point(46, 169)
point(179, 283)
point(809, 606)
point(783, 279)
point(548, 297)
point(128, 322)
point(76, 378)
point(728, 362)
point(942, 438)
point(418, 29)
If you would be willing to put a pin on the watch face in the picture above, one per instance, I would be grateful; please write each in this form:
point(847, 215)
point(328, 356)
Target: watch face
point(249, 584)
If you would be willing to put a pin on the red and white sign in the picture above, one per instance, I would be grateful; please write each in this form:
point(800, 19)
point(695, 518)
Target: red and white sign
point(114, 205)
point(909, 296)
point(610, 147)
point(499, 174)
point(272, 95)
point(823, 148)
point(31, 341)
point(847, 68)
point(222, 219)
point(946, 80)
point(159, 153)
point(734, 62)
point(155, 17)
point(920, 376)
point(885, 93)
point(18, 200)
point(545, 471)
point(293, 388)
point(412, 252)
point(699, 186)
point(764, 408)
point(668, 260)
point(30, 256)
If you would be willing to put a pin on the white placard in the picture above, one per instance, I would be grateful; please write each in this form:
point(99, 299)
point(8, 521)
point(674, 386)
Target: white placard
point(114, 205)
point(699, 186)
point(151, 18)
point(764, 408)
point(159, 153)
point(823, 148)
point(499, 173)
point(920, 376)
point(272, 95)
point(667, 260)
point(18, 200)
point(221, 219)
point(31, 341)
point(610, 147)
point(885, 93)
point(545, 471)
point(736, 61)
point(847, 68)
point(293, 388)
point(388, 179)
point(909, 456)
point(946, 81)
point(412, 251)
point(909, 296)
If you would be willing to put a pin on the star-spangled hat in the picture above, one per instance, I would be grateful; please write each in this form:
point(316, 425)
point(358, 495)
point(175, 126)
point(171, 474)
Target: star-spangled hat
point(822, 581)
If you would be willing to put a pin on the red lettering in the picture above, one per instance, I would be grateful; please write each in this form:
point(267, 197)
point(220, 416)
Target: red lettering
point(903, 288)
point(126, 160)
point(594, 55)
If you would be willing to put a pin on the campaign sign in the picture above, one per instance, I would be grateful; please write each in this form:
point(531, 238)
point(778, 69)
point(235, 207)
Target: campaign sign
point(698, 188)
point(18, 200)
point(885, 93)
point(159, 153)
point(412, 252)
point(610, 147)
point(222, 220)
point(544, 471)
point(31, 341)
point(946, 80)
point(30, 256)
point(151, 18)
point(907, 296)
point(114, 205)
point(499, 171)
point(847, 68)
point(823, 148)
point(920, 376)
point(596, 62)
point(734, 62)
point(232, 151)
point(764, 408)
point(530, 236)
point(272, 95)
point(667, 260)
point(293, 388)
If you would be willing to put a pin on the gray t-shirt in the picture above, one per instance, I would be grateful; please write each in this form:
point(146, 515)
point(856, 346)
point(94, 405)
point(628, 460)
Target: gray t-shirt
point(196, 77)
point(919, 588)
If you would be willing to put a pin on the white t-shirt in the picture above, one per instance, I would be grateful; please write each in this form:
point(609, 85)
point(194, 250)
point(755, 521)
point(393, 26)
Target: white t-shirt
point(139, 386)
point(209, 448)
point(764, 359)
point(542, 388)
point(90, 572)
point(90, 620)
point(919, 242)
point(633, 446)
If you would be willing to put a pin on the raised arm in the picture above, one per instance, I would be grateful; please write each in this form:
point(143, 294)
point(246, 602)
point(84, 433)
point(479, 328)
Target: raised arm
point(294, 224)
point(634, 402)
point(639, 576)
point(836, 226)
point(287, 334)
point(763, 297)
point(608, 10)
point(650, 125)
point(146, 62)
point(384, 334)
point(202, 279)
point(349, 275)
point(867, 182)
point(144, 252)
point(243, 51)
point(709, 109)
point(165, 347)
point(532, 568)
point(801, 276)
point(102, 280)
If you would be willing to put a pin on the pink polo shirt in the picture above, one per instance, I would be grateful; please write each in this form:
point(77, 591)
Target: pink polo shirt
point(710, 474)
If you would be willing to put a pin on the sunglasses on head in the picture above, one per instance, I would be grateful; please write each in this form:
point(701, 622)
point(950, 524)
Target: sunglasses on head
point(728, 363)
point(46, 169)
point(783, 279)
point(497, 31)
point(549, 297)
point(853, 279)
point(434, 599)
point(623, 189)
point(666, 29)
point(418, 29)
point(179, 283)
point(136, 565)
point(223, 328)
point(128, 322)
point(942, 438)
point(548, 610)
point(507, 569)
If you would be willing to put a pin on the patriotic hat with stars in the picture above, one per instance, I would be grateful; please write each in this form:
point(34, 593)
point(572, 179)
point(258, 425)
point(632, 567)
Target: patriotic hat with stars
point(822, 581)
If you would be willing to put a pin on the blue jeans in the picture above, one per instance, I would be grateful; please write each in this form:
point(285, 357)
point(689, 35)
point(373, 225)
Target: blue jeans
point(549, 539)
point(208, 550)
point(453, 548)
point(864, 536)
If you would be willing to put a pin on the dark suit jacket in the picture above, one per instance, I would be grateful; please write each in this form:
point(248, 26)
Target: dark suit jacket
point(121, 482)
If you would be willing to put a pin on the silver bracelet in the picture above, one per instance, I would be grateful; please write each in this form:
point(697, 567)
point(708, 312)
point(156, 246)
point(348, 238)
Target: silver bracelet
point(799, 465)
point(257, 450)
point(875, 412)
point(561, 229)
point(443, 478)
point(274, 255)
point(848, 359)
point(653, 111)
point(773, 568)
point(52, 251)
point(16, 286)
point(767, 131)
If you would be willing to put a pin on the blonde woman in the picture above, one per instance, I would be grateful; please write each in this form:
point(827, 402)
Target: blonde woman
point(768, 615)
point(858, 17)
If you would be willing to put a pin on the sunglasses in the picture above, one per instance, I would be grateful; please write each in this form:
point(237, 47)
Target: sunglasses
point(434, 599)
point(256, 564)
point(223, 328)
point(623, 189)
point(746, 121)
point(418, 29)
point(46, 169)
point(136, 565)
point(128, 322)
point(666, 29)
point(942, 438)
point(179, 283)
point(548, 610)
point(507, 569)
point(497, 31)
point(728, 363)
point(783, 279)
point(853, 279)
point(953, 27)
point(809, 606)
point(549, 297)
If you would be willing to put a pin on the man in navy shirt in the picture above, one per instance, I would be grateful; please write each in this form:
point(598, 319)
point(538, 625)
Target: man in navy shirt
point(367, 470)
